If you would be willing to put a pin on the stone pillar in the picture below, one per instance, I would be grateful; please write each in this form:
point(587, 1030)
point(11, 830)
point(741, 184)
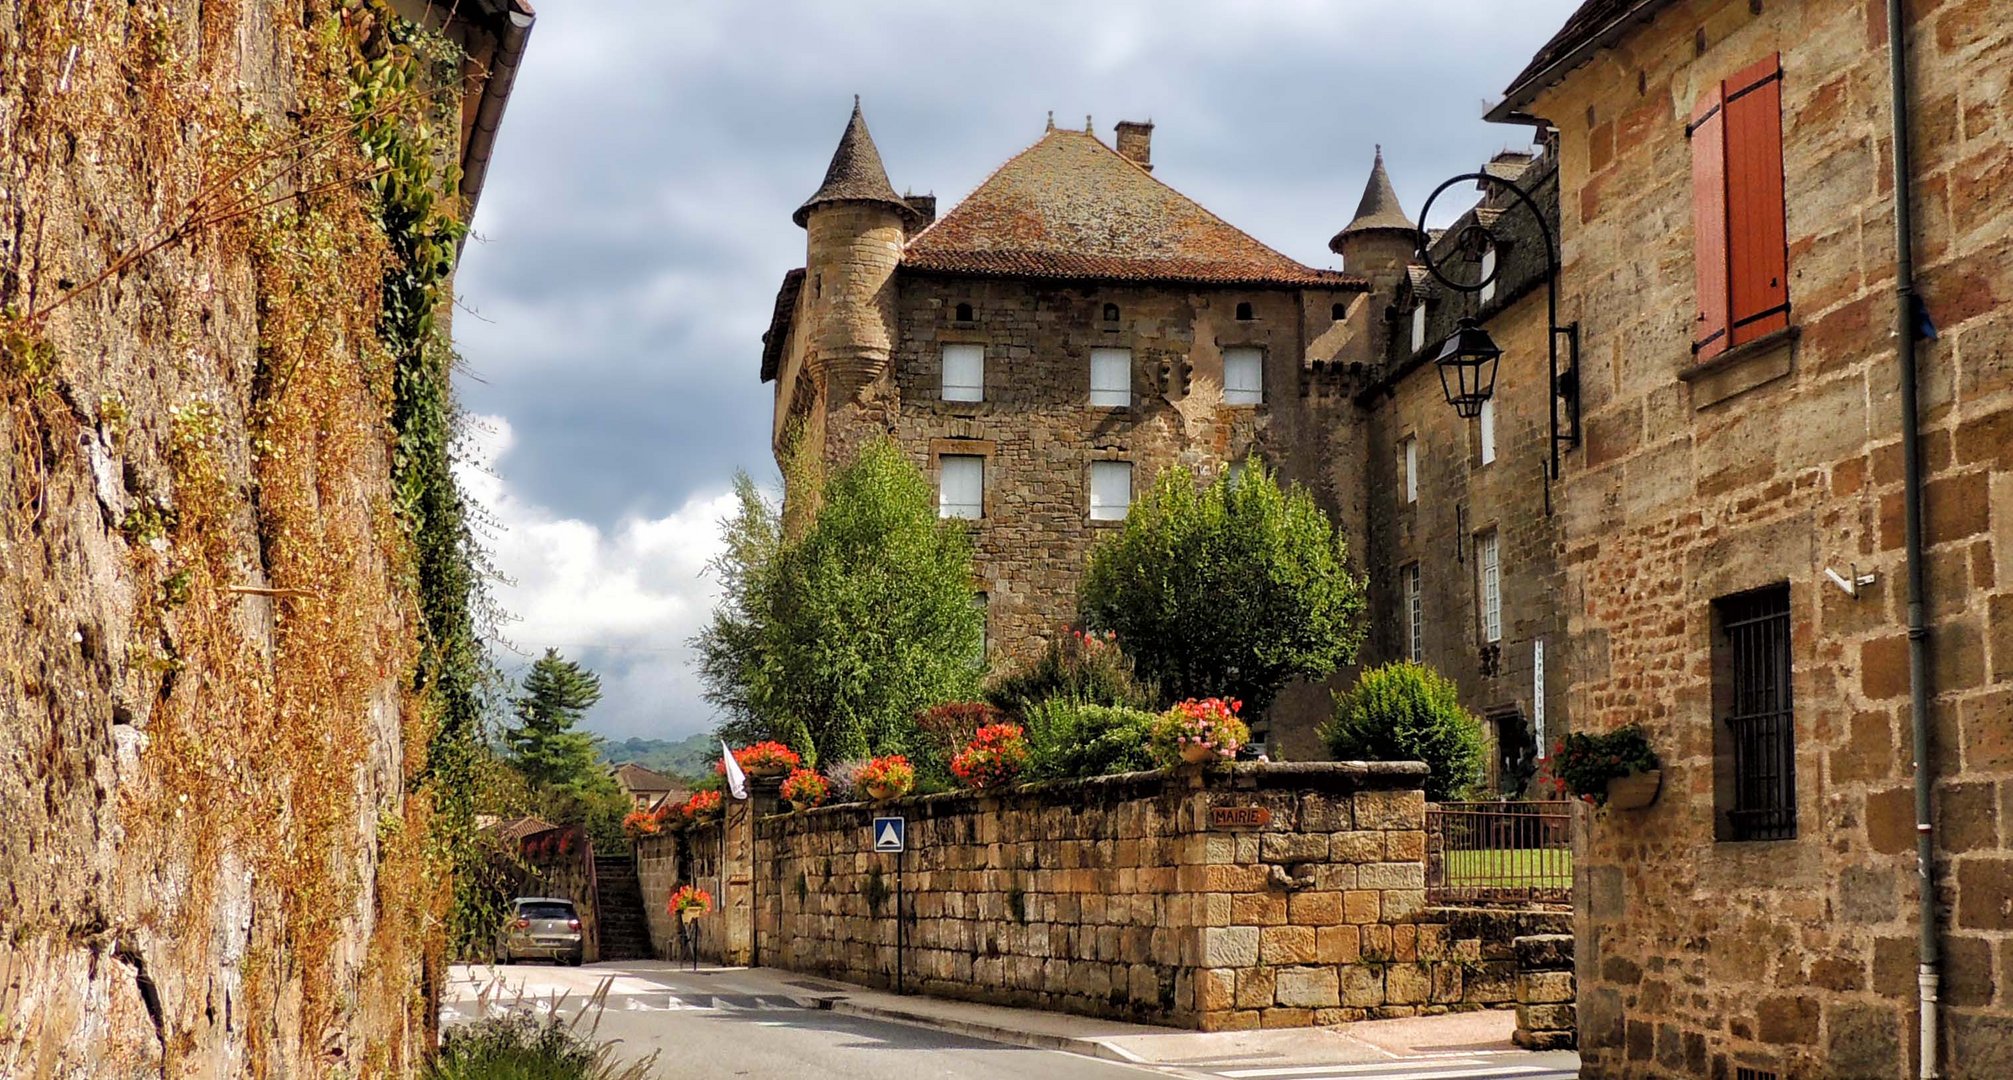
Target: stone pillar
point(737, 883)
point(1547, 1018)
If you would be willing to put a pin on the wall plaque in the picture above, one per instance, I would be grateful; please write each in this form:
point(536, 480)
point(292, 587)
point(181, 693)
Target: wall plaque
point(1239, 817)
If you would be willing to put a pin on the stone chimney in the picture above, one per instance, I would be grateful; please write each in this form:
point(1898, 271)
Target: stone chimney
point(925, 207)
point(1135, 142)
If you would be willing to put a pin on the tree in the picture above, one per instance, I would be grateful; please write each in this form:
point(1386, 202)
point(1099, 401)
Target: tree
point(831, 641)
point(1408, 712)
point(542, 744)
point(1228, 590)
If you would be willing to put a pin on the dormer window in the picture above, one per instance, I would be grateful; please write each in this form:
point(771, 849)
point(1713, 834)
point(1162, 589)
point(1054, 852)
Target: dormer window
point(1488, 269)
point(1244, 311)
point(1111, 313)
point(964, 313)
point(1418, 326)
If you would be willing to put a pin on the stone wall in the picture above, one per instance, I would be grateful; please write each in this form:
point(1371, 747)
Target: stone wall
point(1699, 955)
point(1125, 896)
point(209, 738)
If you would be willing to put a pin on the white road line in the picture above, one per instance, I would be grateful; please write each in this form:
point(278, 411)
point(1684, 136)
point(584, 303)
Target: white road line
point(1490, 1072)
point(1333, 1070)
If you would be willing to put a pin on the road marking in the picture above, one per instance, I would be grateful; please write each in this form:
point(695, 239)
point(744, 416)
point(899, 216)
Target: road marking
point(1329, 1070)
point(1487, 1072)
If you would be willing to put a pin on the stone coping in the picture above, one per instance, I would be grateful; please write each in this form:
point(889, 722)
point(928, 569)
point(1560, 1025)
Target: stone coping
point(1322, 776)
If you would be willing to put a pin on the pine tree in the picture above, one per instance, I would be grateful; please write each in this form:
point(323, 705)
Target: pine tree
point(543, 745)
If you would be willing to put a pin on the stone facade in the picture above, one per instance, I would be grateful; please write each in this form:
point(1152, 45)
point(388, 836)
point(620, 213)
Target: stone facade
point(1124, 896)
point(1461, 497)
point(857, 353)
point(1699, 955)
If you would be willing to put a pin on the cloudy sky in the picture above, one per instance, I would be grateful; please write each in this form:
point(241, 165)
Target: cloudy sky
point(636, 224)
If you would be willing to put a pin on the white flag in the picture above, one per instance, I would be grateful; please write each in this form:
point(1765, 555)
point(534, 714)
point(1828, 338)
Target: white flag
point(737, 781)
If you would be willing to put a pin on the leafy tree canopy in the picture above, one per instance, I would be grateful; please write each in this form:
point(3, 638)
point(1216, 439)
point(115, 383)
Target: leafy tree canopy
point(832, 640)
point(1229, 590)
point(543, 744)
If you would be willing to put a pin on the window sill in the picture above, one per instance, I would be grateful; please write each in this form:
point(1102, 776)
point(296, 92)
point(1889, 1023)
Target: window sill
point(1741, 368)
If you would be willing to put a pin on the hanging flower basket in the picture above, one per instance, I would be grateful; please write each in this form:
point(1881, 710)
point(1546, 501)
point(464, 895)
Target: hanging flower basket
point(688, 902)
point(805, 789)
point(889, 777)
point(1616, 768)
point(769, 758)
point(1636, 790)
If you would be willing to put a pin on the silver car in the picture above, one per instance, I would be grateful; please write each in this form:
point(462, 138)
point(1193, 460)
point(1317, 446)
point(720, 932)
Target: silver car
point(543, 928)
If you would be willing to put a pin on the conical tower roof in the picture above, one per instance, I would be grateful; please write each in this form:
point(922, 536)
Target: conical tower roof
point(1379, 208)
point(856, 173)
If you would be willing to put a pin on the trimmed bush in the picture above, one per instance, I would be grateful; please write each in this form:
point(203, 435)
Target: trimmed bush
point(1075, 666)
point(1072, 739)
point(1409, 712)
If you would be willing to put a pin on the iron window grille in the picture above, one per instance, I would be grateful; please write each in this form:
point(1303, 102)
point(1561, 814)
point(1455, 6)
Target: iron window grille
point(1760, 715)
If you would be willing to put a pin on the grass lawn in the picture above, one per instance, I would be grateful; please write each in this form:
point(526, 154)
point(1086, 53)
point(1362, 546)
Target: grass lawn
point(1545, 868)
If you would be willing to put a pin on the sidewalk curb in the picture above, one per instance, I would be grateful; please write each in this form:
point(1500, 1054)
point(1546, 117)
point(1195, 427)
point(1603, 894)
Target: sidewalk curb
point(990, 1032)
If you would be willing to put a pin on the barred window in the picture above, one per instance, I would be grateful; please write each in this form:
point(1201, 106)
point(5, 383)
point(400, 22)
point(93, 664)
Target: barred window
point(1755, 740)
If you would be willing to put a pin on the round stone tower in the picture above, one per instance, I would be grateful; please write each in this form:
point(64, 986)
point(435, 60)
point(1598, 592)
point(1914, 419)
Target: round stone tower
point(855, 225)
point(1379, 242)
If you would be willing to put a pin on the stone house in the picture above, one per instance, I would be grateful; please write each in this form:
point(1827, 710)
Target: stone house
point(1733, 534)
point(645, 787)
point(1462, 556)
point(1043, 351)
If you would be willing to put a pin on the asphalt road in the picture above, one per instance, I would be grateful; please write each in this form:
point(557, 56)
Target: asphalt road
point(729, 1022)
point(703, 1025)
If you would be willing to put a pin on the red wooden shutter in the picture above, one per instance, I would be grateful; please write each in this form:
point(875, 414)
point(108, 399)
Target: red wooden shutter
point(1757, 247)
point(1708, 200)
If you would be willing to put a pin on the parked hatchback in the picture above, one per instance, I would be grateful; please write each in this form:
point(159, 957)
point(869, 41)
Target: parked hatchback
point(542, 928)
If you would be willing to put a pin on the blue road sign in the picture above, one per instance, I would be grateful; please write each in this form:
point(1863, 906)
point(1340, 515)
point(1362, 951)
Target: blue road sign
point(891, 833)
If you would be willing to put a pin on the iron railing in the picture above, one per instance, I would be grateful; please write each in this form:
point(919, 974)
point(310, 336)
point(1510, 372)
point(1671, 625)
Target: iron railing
point(1499, 852)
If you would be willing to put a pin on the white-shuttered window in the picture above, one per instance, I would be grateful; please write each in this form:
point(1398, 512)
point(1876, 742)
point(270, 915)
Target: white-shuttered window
point(1110, 490)
point(1111, 377)
point(1491, 594)
point(1488, 432)
point(1488, 267)
point(1418, 326)
point(964, 373)
point(1243, 376)
point(961, 486)
point(1408, 463)
point(1415, 614)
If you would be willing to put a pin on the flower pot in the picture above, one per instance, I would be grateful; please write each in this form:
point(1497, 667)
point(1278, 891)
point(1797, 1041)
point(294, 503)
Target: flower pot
point(1197, 753)
point(686, 915)
point(1636, 790)
point(883, 792)
point(777, 769)
point(799, 805)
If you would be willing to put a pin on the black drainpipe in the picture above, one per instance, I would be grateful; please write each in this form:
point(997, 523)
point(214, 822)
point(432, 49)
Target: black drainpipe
point(1928, 976)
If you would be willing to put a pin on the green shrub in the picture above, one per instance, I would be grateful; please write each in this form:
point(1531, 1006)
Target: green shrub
point(1068, 739)
point(1409, 712)
point(1075, 666)
point(516, 1046)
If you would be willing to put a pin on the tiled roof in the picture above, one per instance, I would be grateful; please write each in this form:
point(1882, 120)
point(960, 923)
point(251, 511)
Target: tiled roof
point(1379, 208)
point(1070, 207)
point(856, 173)
point(778, 335)
point(636, 777)
point(1596, 22)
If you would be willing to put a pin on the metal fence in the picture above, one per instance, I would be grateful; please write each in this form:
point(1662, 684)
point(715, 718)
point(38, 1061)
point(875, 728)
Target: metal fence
point(1499, 852)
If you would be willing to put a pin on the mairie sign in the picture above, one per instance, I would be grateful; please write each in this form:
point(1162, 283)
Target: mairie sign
point(891, 833)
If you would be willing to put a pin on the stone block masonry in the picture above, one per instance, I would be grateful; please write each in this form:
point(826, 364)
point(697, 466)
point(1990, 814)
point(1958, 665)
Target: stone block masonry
point(1139, 896)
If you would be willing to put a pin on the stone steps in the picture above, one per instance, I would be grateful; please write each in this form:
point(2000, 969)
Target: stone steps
point(624, 929)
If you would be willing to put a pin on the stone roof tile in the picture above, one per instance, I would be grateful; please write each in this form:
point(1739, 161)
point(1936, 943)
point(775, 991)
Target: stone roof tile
point(856, 173)
point(1070, 207)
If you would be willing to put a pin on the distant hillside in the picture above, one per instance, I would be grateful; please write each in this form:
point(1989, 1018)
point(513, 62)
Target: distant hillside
point(690, 758)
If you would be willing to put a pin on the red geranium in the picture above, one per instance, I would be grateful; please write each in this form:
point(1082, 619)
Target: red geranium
point(807, 787)
point(702, 804)
point(995, 756)
point(892, 774)
point(689, 898)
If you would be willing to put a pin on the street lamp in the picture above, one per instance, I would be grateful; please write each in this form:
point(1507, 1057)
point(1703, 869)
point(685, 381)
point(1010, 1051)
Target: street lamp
point(1467, 358)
